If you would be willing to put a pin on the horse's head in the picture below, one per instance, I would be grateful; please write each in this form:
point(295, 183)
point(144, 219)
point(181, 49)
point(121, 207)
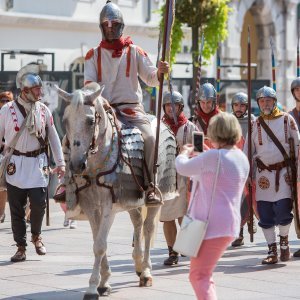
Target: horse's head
point(84, 120)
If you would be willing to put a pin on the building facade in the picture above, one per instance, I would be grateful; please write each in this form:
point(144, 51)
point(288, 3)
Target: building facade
point(276, 19)
point(67, 29)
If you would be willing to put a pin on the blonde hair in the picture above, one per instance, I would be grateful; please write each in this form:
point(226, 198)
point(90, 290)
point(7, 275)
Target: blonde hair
point(224, 128)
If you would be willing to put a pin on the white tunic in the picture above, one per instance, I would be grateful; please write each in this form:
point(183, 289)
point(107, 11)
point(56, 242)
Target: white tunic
point(197, 124)
point(30, 171)
point(264, 148)
point(120, 88)
point(176, 208)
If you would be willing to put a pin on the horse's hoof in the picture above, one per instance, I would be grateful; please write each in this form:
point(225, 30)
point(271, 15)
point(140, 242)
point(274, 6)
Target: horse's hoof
point(104, 291)
point(138, 273)
point(90, 297)
point(146, 281)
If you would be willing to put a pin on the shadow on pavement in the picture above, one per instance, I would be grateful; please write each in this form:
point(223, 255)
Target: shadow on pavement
point(63, 295)
point(246, 266)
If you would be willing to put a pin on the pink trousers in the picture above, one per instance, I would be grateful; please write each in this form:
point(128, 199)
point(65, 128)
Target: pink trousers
point(203, 265)
point(63, 207)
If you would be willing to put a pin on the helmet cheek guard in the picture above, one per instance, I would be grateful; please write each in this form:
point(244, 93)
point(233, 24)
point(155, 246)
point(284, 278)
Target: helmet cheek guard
point(207, 92)
point(295, 84)
point(176, 99)
point(240, 98)
point(266, 91)
point(112, 14)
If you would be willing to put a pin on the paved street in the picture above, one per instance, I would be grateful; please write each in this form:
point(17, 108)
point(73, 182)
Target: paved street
point(64, 272)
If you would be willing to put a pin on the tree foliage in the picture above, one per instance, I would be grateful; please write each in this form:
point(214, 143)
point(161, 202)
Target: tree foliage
point(208, 16)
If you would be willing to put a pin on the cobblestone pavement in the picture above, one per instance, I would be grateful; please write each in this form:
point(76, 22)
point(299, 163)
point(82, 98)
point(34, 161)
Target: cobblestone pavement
point(64, 272)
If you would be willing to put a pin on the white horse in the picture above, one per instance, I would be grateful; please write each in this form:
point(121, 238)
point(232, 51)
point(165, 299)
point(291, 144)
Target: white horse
point(99, 172)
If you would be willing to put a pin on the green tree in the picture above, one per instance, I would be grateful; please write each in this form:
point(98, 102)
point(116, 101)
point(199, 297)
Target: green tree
point(203, 16)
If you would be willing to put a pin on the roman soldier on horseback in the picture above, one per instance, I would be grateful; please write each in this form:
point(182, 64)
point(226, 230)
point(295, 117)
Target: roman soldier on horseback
point(118, 64)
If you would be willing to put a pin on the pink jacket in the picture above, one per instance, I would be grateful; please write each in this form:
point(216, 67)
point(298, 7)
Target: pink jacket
point(225, 216)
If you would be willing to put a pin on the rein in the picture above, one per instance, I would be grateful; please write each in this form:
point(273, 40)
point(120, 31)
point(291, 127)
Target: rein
point(93, 149)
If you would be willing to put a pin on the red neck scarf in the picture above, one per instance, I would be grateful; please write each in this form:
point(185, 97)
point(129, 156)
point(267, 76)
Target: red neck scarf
point(181, 120)
point(206, 117)
point(116, 45)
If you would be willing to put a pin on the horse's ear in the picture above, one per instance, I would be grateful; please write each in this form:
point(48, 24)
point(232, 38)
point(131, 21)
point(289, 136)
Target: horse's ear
point(63, 94)
point(93, 97)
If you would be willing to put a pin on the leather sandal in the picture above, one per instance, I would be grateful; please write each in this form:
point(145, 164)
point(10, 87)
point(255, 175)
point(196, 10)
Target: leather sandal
point(172, 259)
point(38, 244)
point(272, 257)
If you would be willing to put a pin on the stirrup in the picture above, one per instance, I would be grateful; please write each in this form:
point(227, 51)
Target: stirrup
point(152, 199)
point(60, 193)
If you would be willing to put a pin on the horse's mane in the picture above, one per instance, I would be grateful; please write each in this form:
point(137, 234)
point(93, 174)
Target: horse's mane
point(78, 98)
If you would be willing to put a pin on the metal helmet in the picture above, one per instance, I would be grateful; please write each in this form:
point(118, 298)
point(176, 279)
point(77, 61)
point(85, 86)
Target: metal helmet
point(177, 98)
point(295, 83)
point(239, 97)
point(27, 77)
point(266, 91)
point(111, 13)
point(207, 92)
point(30, 81)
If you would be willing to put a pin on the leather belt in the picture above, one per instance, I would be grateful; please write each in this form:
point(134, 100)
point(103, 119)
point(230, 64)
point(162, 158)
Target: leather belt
point(274, 167)
point(33, 153)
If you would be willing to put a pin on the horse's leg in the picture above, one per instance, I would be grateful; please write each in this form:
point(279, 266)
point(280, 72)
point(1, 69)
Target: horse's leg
point(104, 289)
point(149, 227)
point(100, 245)
point(93, 217)
point(137, 253)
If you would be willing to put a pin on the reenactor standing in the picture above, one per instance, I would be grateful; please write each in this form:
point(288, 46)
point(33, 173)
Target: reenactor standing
point(239, 105)
point(176, 209)
point(28, 123)
point(295, 90)
point(295, 112)
point(275, 142)
point(206, 107)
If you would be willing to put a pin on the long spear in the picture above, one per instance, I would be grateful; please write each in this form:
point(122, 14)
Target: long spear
point(273, 64)
point(199, 69)
point(298, 58)
point(170, 5)
point(168, 55)
point(250, 138)
point(218, 74)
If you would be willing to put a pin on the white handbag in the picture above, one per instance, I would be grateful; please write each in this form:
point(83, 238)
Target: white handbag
point(192, 231)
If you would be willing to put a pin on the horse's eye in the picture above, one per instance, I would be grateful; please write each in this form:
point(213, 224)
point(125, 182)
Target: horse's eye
point(91, 121)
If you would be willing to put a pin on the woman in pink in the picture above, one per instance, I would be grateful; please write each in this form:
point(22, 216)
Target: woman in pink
point(224, 132)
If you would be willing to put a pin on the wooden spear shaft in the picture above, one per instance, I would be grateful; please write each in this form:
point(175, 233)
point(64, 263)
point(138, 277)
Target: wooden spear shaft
point(218, 74)
point(161, 82)
point(199, 69)
point(250, 138)
point(273, 64)
point(298, 58)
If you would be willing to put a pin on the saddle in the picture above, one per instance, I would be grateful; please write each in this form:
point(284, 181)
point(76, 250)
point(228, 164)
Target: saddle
point(125, 171)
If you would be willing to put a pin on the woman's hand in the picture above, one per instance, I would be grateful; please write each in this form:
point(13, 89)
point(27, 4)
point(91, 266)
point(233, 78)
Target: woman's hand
point(60, 170)
point(188, 149)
